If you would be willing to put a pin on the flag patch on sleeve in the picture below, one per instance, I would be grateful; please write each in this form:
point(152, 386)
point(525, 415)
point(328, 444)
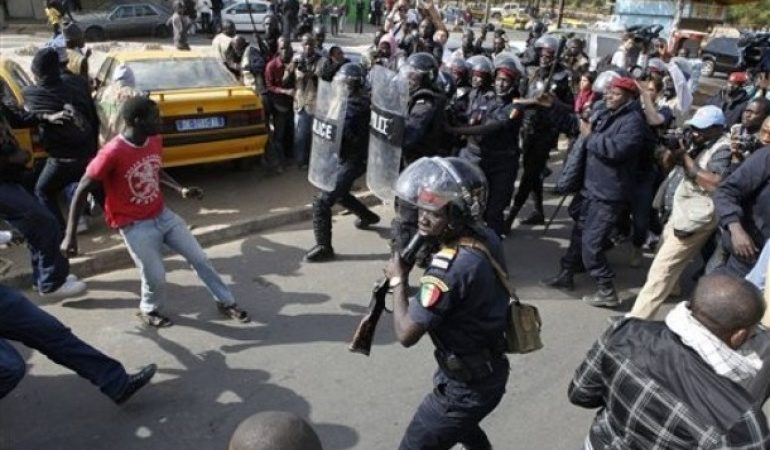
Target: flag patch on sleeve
point(431, 291)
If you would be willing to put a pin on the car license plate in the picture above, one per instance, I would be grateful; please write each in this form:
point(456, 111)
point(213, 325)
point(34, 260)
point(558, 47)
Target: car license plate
point(201, 123)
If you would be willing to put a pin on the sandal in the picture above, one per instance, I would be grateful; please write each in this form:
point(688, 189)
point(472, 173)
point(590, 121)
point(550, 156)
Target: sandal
point(234, 312)
point(154, 319)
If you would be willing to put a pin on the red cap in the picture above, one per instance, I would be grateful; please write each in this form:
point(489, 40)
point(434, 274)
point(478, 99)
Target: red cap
point(625, 83)
point(738, 78)
point(510, 73)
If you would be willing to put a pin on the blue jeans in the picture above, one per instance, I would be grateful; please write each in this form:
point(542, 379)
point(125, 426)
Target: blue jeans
point(145, 240)
point(55, 176)
point(22, 321)
point(42, 233)
point(303, 137)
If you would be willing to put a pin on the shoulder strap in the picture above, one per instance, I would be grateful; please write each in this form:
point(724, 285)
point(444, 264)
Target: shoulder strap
point(501, 274)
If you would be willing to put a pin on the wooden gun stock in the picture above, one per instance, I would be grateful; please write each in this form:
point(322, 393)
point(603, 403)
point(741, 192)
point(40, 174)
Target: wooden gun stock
point(364, 335)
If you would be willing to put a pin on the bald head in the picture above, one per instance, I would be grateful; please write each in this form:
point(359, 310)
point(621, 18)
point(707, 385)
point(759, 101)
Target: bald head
point(274, 430)
point(726, 304)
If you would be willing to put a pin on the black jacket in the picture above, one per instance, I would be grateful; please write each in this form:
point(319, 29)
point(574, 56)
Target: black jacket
point(425, 125)
point(613, 150)
point(67, 140)
point(732, 107)
point(745, 196)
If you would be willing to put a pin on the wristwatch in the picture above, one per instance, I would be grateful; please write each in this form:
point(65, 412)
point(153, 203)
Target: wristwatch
point(395, 281)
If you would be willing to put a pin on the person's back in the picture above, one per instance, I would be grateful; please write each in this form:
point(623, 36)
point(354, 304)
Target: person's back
point(675, 384)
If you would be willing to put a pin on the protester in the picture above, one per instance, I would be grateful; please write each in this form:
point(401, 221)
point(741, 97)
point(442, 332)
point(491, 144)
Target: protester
point(305, 67)
point(732, 99)
point(129, 169)
point(180, 24)
point(77, 58)
point(678, 384)
point(203, 7)
point(111, 98)
point(280, 81)
point(221, 41)
point(234, 55)
point(24, 322)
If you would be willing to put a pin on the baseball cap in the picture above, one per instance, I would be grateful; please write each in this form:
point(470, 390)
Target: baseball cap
point(706, 117)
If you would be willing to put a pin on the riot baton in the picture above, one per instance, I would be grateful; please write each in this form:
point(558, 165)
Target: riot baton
point(555, 213)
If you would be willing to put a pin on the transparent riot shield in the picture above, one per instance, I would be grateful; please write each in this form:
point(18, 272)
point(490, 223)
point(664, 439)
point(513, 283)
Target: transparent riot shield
point(328, 123)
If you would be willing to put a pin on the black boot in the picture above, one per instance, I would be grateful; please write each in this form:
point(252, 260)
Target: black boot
point(365, 220)
point(563, 280)
point(536, 218)
point(136, 382)
point(365, 215)
point(508, 223)
point(322, 229)
point(605, 296)
point(320, 253)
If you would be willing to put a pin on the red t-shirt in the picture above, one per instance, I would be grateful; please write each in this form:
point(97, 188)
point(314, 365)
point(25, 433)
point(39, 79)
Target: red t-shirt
point(131, 180)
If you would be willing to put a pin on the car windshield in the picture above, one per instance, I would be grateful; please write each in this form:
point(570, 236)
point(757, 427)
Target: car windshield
point(181, 73)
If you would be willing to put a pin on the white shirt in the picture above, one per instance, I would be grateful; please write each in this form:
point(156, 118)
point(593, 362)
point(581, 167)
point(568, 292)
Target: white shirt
point(203, 6)
point(220, 44)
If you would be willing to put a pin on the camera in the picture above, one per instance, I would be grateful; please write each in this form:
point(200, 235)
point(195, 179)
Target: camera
point(754, 52)
point(747, 143)
point(673, 139)
point(644, 34)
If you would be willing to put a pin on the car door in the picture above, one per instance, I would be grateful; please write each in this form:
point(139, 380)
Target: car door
point(146, 20)
point(121, 21)
point(239, 14)
point(259, 11)
point(14, 79)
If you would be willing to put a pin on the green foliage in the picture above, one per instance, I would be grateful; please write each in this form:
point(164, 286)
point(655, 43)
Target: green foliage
point(754, 13)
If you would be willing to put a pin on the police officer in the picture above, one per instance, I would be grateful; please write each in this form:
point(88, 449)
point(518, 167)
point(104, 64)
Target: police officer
point(424, 134)
point(482, 74)
point(352, 164)
point(529, 56)
point(576, 60)
point(461, 306)
point(493, 143)
point(457, 110)
point(539, 135)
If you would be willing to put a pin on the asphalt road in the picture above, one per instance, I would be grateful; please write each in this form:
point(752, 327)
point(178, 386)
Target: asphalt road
point(293, 356)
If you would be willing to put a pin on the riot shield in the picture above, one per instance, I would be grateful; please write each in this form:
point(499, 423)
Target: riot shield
point(328, 123)
point(390, 99)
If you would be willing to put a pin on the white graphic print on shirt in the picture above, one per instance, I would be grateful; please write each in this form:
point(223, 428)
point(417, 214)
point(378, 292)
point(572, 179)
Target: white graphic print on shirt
point(143, 180)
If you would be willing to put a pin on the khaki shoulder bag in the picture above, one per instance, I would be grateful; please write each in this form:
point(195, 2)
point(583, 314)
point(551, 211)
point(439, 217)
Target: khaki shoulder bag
point(522, 332)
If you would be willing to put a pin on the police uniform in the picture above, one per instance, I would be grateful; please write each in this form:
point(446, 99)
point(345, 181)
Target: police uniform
point(462, 304)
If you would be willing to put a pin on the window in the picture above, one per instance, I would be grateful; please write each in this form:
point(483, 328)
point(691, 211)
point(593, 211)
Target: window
point(19, 76)
point(124, 12)
point(242, 8)
point(8, 97)
point(144, 11)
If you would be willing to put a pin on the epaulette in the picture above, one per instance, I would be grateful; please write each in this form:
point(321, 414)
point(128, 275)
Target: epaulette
point(420, 101)
point(443, 258)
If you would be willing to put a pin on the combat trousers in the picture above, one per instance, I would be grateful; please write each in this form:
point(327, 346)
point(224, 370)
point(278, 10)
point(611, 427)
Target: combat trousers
point(501, 176)
point(674, 254)
point(452, 412)
point(594, 220)
point(42, 232)
point(534, 161)
point(322, 206)
point(22, 321)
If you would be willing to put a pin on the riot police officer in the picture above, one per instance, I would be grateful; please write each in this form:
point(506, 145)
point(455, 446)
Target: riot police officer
point(493, 143)
point(424, 134)
point(482, 73)
point(539, 135)
point(576, 60)
point(349, 162)
point(459, 103)
point(529, 57)
point(462, 304)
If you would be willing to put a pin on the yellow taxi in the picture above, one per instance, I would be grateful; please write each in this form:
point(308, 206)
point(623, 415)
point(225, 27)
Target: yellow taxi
point(14, 79)
point(517, 21)
point(206, 114)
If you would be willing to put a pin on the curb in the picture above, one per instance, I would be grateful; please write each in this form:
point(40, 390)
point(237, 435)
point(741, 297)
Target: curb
point(118, 258)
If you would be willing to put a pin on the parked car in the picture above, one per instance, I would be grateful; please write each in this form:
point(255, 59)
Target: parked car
point(238, 12)
point(125, 18)
point(599, 44)
point(505, 10)
point(516, 21)
point(206, 114)
point(720, 54)
point(612, 24)
point(14, 79)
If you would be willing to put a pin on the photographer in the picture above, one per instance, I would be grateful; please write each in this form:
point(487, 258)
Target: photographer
point(744, 136)
point(704, 156)
point(305, 67)
point(627, 54)
point(743, 206)
point(732, 98)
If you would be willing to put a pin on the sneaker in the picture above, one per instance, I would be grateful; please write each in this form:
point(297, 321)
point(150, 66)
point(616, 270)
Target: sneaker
point(154, 319)
point(636, 258)
point(82, 225)
point(563, 280)
point(603, 297)
point(535, 218)
point(320, 253)
point(137, 381)
point(234, 312)
point(70, 288)
point(363, 223)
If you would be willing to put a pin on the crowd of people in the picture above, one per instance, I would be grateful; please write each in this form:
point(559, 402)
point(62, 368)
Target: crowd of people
point(444, 133)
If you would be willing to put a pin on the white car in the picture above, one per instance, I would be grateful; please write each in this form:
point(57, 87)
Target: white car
point(238, 12)
point(613, 24)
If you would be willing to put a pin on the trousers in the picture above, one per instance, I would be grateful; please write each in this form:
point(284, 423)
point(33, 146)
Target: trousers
point(452, 412)
point(56, 174)
point(594, 220)
point(22, 321)
point(501, 176)
point(349, 171)
point(42, 233)
point(533, 162)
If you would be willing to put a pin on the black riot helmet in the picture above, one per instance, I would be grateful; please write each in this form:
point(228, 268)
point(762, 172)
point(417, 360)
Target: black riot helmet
point(432, 183)
point(421, 69)
point(547, 46)
point(509, 67)
point(537, 29)
point(446, 84)
point(352, 74)
point(460, 72)
point(482, 70)
point(575, 46)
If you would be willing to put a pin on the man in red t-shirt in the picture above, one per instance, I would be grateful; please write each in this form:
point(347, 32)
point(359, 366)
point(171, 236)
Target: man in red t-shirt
point(129, 169)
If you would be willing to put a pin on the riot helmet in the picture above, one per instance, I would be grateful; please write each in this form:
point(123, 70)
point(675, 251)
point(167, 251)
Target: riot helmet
point(508, 72)
point(459, 71)
point(432, 183)
point(575, 46)
point(421, 70)
point(547, 46)
point(656, 66)
point(482, 70)
point(604, 80)
point(446, 84)
point(351, 74)
point(537, 29)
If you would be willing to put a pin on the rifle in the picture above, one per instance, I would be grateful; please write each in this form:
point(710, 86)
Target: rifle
point(364, 335)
